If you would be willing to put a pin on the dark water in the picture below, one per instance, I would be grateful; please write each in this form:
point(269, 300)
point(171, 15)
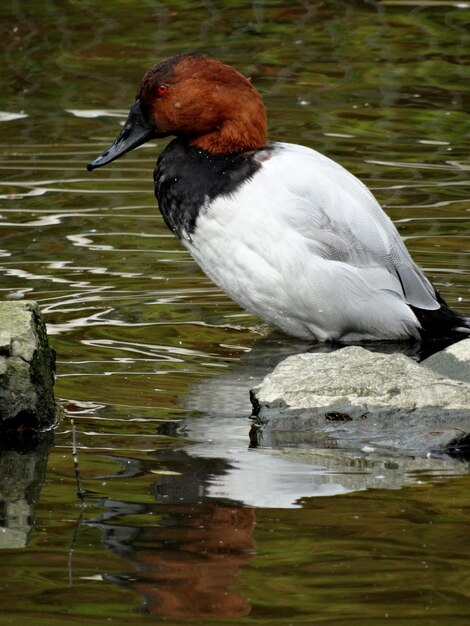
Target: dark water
point(179, 521)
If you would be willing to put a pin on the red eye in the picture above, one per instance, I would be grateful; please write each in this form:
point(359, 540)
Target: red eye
point(162, 89)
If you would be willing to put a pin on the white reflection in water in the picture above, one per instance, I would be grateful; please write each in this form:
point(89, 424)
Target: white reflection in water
point(9, 117)
point(25, 194)
point(449, 165)
point(156, 351)
point(24, 275)
point(39, 188)
point(85, 242)
point(92, 113)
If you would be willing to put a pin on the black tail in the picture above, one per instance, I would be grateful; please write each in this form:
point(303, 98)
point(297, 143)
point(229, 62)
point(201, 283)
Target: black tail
point(443, 323)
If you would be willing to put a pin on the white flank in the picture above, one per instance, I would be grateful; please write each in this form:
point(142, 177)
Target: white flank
point(305, 246)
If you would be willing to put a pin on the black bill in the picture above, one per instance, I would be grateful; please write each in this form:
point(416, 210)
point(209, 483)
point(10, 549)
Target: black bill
point(135, 132)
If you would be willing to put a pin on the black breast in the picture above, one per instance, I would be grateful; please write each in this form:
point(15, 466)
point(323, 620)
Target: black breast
point(187, 178)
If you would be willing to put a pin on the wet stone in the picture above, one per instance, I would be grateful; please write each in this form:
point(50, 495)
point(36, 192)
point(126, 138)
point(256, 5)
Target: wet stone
point(453, 362)
point(27, 366)
point(353, 398)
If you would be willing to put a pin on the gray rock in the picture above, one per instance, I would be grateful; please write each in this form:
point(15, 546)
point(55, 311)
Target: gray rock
point(353, 398)
point(453, 362)
point(26, 368)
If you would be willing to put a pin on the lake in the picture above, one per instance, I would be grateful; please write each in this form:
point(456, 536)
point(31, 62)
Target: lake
point(148, 506)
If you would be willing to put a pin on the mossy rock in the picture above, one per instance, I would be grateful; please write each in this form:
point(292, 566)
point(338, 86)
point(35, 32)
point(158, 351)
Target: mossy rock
point(27, 369)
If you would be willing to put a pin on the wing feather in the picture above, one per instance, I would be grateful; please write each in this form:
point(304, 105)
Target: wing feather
point(343, 221)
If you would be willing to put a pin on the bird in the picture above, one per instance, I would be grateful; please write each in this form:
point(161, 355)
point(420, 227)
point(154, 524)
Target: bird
point(289, 234)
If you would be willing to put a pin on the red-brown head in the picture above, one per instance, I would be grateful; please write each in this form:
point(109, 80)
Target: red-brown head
point(206, 103)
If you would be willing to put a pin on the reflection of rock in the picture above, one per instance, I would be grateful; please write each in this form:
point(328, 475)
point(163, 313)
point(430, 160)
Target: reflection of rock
point(219, 467)
point(354, 397)
point(357, 472)
point(21, 478)
point(26, 368)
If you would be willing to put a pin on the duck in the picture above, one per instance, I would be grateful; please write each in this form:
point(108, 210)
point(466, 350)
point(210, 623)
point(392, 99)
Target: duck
point(287, 233)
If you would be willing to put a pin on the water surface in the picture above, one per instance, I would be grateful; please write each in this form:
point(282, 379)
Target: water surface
point(178, 520)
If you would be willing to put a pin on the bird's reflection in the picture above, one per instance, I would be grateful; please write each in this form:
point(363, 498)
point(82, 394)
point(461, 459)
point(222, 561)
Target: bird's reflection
point(185, 558)
point(188, 564)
